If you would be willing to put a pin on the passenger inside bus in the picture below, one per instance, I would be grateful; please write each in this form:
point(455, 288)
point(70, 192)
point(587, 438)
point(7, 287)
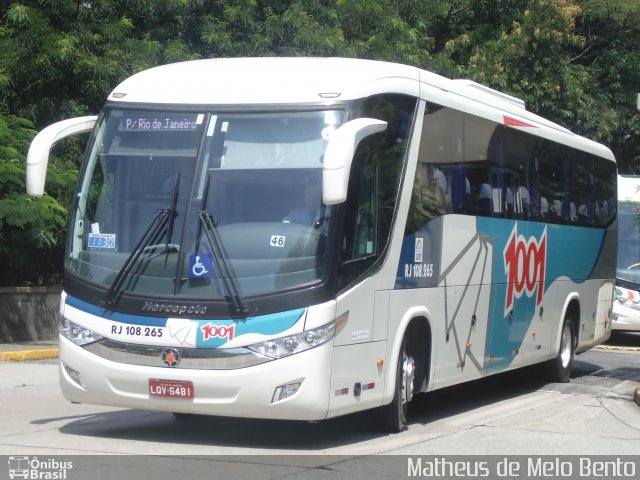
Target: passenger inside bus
point(485, 199)
point(522, 202)
point(310, 212)
point(544, 207)
point(509, 210)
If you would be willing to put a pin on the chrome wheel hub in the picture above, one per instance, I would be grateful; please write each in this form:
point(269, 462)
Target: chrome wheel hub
point(565, 346)
point(408, 375)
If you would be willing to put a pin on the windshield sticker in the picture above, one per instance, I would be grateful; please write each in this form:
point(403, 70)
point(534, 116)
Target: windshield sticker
point(417, 257)
point(200, 266)
point(277, 240)
point(102, 240)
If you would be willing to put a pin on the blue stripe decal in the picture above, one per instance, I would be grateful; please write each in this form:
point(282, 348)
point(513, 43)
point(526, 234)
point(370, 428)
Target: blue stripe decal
point(214, 333)
point(553, 252)
point(210, 333)
point(116, 316)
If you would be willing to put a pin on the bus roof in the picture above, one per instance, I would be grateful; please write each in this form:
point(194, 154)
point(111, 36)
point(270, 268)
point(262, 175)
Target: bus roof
point(249, 81)
point(263, 80)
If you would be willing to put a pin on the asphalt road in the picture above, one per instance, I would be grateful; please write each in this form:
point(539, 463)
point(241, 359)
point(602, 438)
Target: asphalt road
point(512, 413)
point(516, 416)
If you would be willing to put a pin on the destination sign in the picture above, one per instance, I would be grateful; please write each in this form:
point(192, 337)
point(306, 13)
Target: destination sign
point(161, 122)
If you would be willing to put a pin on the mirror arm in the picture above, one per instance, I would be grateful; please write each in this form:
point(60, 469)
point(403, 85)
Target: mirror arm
point(38, 156)
point(339, 155)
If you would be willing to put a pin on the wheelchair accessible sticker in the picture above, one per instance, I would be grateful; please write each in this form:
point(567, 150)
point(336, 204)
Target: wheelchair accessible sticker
point(200, 266)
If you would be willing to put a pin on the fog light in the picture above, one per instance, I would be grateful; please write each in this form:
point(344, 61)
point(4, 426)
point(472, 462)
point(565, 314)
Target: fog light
point(284, 391)
point(74, 375)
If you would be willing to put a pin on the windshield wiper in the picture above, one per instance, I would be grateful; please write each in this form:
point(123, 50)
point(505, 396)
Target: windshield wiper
point(209, 225)
point(161, 224)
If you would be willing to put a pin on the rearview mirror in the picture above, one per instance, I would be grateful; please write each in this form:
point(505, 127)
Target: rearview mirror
point(339, 155)
point(38, 156)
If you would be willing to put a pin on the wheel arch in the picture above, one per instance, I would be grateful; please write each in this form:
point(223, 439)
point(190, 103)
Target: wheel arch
point(571, 309)
point(416, 325)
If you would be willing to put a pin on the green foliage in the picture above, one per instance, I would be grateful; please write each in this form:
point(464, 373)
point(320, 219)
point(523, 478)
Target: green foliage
point(530, 60)
point(576, 62)
point(31, 229)
point(612, 57)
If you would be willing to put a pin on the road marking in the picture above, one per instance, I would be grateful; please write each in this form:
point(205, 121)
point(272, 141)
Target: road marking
point(21, 356)
point(616, 347)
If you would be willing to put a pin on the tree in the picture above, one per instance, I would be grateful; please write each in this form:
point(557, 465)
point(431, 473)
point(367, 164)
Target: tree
point(576, 62)
point(31, 229)
point(611, 53)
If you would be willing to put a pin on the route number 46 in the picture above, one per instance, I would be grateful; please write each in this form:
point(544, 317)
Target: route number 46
point(277, 240)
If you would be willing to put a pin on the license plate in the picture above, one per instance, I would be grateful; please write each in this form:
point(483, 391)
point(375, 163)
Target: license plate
point(170, 388)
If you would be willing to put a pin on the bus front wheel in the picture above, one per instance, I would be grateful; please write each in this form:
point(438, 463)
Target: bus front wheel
point(394, 415)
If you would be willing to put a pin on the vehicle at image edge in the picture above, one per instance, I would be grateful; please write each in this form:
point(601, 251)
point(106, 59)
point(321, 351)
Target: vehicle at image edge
point(302, 238)
point(626, 305)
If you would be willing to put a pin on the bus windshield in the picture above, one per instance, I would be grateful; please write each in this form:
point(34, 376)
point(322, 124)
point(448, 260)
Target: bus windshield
point(196, 204)
point(629, 242)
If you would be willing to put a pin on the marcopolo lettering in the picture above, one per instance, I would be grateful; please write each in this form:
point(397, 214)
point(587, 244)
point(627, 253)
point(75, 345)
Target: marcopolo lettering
point(174, 308)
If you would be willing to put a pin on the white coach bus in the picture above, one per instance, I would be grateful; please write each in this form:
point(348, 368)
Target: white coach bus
point(301, 238)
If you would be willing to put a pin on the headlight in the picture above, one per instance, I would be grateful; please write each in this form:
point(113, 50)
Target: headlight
point(77, 334)
point(285, 346)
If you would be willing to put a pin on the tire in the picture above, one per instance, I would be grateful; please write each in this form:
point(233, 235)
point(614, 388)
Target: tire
point(559, 368)
point(394, 415)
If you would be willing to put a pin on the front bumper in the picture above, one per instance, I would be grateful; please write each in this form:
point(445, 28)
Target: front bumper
point(238, 392)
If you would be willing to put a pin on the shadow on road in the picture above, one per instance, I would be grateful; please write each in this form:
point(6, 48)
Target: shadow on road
point(164, 428)
point(624, 339)
point(300, 437)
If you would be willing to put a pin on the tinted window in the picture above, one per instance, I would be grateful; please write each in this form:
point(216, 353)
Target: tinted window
point(473, 166)
point(373, 185)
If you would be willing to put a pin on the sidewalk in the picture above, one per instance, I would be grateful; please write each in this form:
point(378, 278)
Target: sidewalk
point(22, 351)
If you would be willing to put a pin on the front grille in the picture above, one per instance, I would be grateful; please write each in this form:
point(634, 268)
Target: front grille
point(192, 358)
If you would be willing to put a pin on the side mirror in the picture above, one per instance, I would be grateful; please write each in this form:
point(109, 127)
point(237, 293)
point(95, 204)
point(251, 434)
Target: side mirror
point(38, 156)
point(339, 155)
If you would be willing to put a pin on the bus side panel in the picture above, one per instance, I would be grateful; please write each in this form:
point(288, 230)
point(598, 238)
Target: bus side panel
point(536, 268)
point(604, 312)
point(465, 276)
point(595, 321)
point(503, 287)
point(445, 268)
point(357, 380)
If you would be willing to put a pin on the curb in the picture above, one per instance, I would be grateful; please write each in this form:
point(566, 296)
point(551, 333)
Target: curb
point(615, 347)
point(20, 356)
